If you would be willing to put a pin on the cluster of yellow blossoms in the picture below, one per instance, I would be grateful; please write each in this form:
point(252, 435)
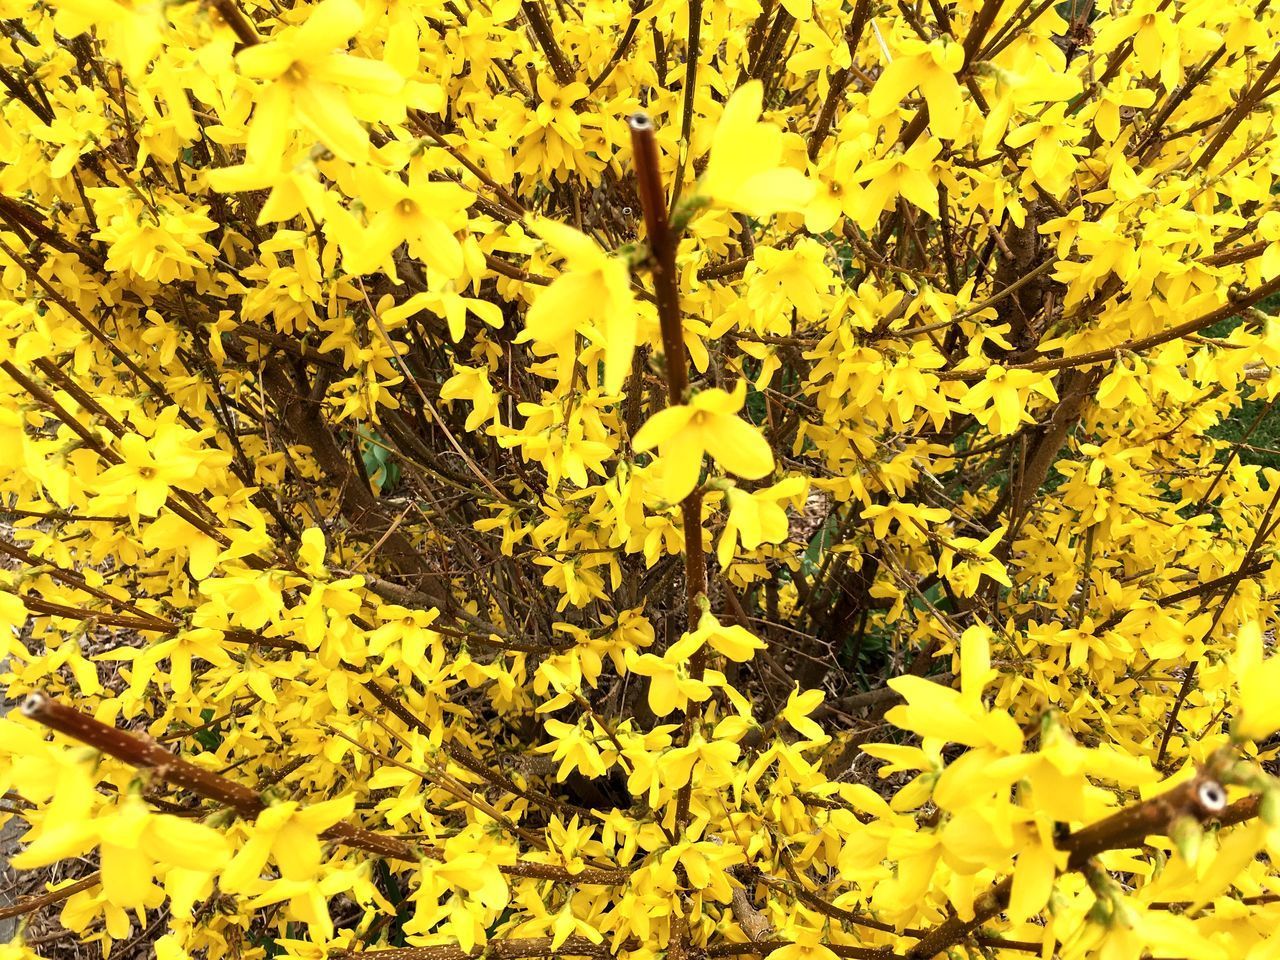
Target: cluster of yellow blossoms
point(642, 477)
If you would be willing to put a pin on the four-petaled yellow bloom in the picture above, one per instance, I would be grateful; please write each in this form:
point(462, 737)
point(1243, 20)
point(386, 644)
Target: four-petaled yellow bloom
point(746, 170)
point(706, 424)
point(308, 74)
point(592, 298)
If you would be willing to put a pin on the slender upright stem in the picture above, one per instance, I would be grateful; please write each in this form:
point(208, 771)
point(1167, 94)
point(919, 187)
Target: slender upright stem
point(662, 253)
point(692, 52)
point(662, 249)
point(547, 40)
point(620, 51)
point(982, 22)
point(840, 80)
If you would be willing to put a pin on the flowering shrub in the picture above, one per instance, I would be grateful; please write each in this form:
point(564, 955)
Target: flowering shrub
point(776, 477)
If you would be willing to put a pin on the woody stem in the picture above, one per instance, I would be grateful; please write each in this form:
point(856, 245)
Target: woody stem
point(147, 754)
point(662, 250)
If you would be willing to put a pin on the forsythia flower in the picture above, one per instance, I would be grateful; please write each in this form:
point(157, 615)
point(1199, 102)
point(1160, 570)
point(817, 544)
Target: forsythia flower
point(959, 716)
point(592, 298)
point(735, 642)
point(360, 586)
point(931, 67)
point(289, 834)
point(309, 78)
point(999, 400)
point(671, 687)
point(746, 171)
point(758, 517)
point(133, 841)
point(707, 424)
point(161, 242)
point(1258, 680)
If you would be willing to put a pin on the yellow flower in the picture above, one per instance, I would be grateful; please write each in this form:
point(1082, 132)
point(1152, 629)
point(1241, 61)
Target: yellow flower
point(796, 712)
point(758, 517)
point(936, 711)
point(806, 946)
point(931, 67)
point(1000, 399)
point(735, 642)
point(593, 298)
point(162, 242)
point(964, 561)
point(910, 175)
point(746, 170)
point(149, 468)
point(707, 424)
point(1051, 136)
point(308, 78)
point(424, 214)
point(1258, 711)
point(132, 839)
point(472, 385)
point(671, 686)
point(555, 108)
point(291, 834)
point(913, 519)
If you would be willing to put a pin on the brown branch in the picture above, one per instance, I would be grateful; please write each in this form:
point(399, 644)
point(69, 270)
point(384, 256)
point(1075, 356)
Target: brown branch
point(421, 120)
point(982, 22)
point(1230, 309)
point(96, 332)
point(508, 269)
point(628, 37)
point(23, 96)
point(1243, 810)
point(766, 947)
point(1013, 27)
point(769, 53)
point(693, 49)
point(1248, 101)
point(145, 754)
point(185, 509)
point(515, 949)
point(149, 755)
point(547, 41)
point(47, 400)
point(1205, 589)
point(287, 344)
point(463, 759)
point(1201, 797)
point(1004, 292)
point(1225, 258)
point(1151, 139)
point(662, 258)
point(18, 216)
point(73, 579)
point(38, 605)
point(236, 19)
point(1264, 530)
point(724, 269)
point(662, 248)
point(32, 904)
